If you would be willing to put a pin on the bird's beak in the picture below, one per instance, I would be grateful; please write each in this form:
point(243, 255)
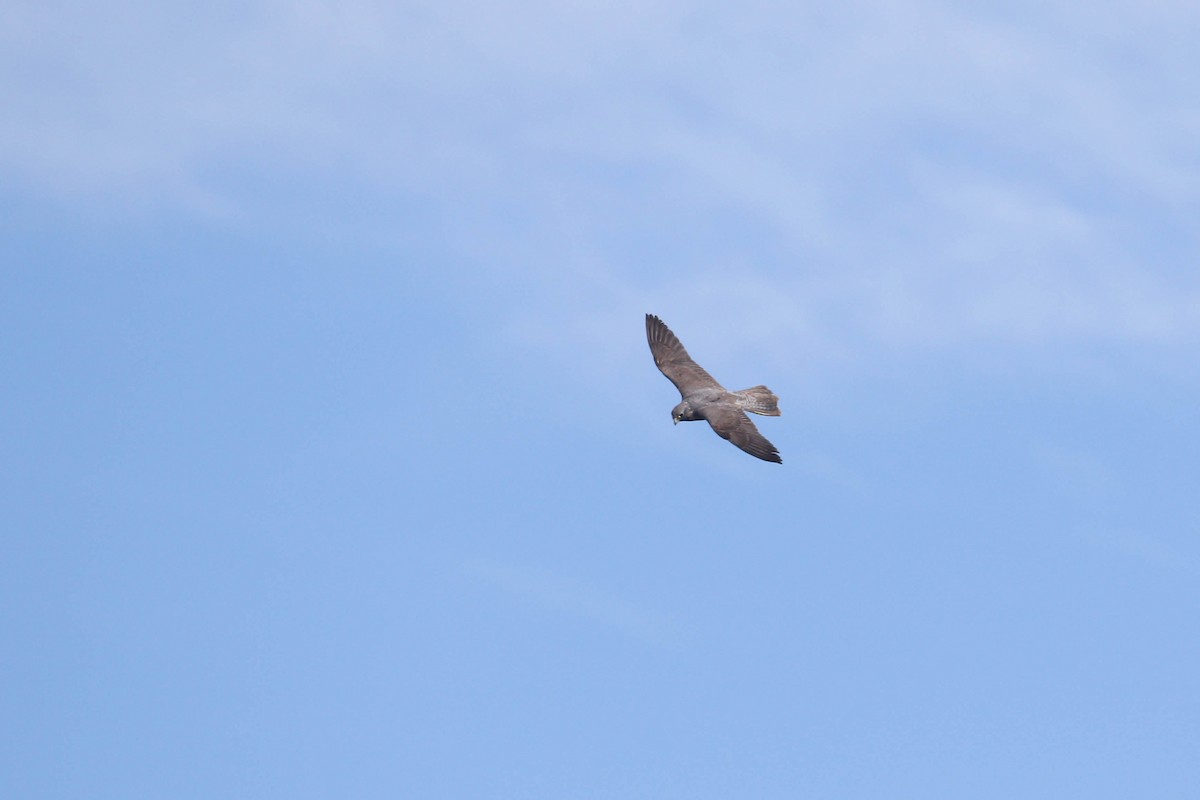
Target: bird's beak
point(674, 420)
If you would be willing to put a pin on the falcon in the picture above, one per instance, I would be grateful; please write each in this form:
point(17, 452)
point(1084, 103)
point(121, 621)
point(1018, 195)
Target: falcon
point(704, 398)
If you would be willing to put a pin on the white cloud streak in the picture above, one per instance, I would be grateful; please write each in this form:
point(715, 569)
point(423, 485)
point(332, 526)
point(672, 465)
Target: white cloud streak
point(573, 598)
point(906, 176)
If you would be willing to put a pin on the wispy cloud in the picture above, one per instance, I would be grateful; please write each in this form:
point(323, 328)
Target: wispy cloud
point(906, 176)
point(573, 598)
point(1146, 548)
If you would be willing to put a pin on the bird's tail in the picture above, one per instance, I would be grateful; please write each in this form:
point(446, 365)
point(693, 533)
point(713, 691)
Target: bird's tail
point(759, 400)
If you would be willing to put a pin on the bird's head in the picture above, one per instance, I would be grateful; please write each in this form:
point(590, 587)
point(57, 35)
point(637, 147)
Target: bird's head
point(682, 413)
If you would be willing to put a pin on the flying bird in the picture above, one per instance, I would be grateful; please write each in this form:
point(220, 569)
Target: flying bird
point(704, 398)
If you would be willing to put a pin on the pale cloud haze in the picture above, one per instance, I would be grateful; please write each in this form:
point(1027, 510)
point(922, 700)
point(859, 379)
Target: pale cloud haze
point(336, 462)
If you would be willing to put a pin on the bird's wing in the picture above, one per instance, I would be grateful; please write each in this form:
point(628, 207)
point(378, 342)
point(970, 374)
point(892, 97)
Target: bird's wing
point(674, 361)
point(732, 423)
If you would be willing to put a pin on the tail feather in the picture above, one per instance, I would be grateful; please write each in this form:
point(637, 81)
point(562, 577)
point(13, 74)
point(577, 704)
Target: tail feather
point(759, 400)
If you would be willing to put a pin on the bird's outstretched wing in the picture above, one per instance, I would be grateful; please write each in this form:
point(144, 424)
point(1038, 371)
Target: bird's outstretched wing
point(674, 361)
point(732, 423)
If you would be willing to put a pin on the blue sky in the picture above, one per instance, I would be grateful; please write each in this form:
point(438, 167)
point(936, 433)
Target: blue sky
point(336, 465)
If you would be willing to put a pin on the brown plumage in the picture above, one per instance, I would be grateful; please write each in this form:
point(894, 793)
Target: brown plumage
point(704, 398)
